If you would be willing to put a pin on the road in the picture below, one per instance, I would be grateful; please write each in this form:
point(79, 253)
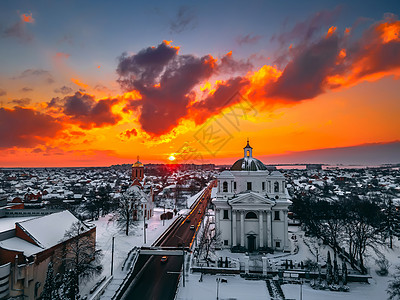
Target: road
point(153, 279)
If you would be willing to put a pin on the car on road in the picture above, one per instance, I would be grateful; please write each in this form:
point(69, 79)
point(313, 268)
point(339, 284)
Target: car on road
point(164, 259)
point(191, 227)
point(199, 211)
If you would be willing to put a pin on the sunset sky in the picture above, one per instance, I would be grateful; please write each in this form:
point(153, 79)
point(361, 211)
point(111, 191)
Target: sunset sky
point(95, 83)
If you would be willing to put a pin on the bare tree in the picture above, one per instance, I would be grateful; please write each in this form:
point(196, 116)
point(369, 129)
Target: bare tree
point(129, 205)
point(80, 254)
point(391, 221)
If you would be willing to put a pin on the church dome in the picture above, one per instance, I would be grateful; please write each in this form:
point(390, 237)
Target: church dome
point(248, 162)
point(138, 164)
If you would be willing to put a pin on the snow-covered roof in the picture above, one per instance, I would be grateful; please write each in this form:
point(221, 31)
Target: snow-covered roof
point(8, 223)
point(18, 244)
point(49, 230)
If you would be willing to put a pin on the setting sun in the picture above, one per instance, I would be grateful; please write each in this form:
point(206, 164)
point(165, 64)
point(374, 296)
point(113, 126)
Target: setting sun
point(171, 157)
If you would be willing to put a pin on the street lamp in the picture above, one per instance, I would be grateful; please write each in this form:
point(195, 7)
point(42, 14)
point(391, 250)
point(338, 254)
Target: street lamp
point(163, 221)
point(301, 289)
point(218, 280)
point(183, 254)
point(112, 256)
point(144, 225)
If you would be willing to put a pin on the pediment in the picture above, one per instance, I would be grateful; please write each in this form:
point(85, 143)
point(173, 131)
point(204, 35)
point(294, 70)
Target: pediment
point(251, 199)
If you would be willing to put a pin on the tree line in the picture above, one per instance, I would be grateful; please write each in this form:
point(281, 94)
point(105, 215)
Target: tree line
point(349, 224)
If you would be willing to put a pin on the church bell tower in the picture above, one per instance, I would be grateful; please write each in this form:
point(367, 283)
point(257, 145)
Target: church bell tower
point(137, 171)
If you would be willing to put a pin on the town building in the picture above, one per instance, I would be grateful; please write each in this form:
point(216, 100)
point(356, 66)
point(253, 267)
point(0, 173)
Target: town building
point(251, 206)
point(29, 241)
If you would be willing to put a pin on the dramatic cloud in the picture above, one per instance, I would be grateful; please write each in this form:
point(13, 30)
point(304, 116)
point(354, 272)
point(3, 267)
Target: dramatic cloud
point(22, 127)
point(2, 92)
point(165, 85)
point(377, 51)
point(248, 39)
point(65, 90)
point(85, 111)
point(222, 97)
point(333, 61)
point(21, 102)
point(185, 19)
point(143, 68)
point(40, 74)
point(165, 81)
point(304, 76)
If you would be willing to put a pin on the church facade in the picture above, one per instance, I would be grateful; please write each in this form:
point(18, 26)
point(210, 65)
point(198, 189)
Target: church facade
point(141, 194)
point(251, 206)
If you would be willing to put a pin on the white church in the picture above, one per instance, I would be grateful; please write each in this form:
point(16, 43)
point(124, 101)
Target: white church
point(251, 206)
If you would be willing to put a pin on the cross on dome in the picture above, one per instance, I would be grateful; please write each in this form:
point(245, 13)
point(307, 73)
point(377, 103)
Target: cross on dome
point(248, 150)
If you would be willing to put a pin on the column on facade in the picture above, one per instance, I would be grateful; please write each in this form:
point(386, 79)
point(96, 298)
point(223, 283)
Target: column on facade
point(234, 224)
point(242, 228)
point(261, 228)
point(217, 216)
point(269, 229)
point(285, 234)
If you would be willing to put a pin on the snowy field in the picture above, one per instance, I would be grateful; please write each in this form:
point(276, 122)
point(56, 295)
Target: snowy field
point(106, 229)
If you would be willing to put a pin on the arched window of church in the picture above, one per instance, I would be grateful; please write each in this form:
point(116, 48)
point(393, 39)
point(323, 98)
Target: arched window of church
point(276, 187)
point(225, 187)
point(251, 215)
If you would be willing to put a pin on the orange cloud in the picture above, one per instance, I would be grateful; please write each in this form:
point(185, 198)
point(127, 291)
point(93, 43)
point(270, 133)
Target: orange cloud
point(26, 127)
point(79, 83)
point(27, 18)
point(389, 31)
point(315, 67)
point(169, 43)
point(331, 31)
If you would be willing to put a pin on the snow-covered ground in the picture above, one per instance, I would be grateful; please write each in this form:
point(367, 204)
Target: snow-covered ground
point(239, 288)
point(106, 229)
point(235, 288)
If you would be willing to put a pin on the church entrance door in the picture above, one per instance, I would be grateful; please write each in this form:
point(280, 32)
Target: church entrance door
point(251, 242)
